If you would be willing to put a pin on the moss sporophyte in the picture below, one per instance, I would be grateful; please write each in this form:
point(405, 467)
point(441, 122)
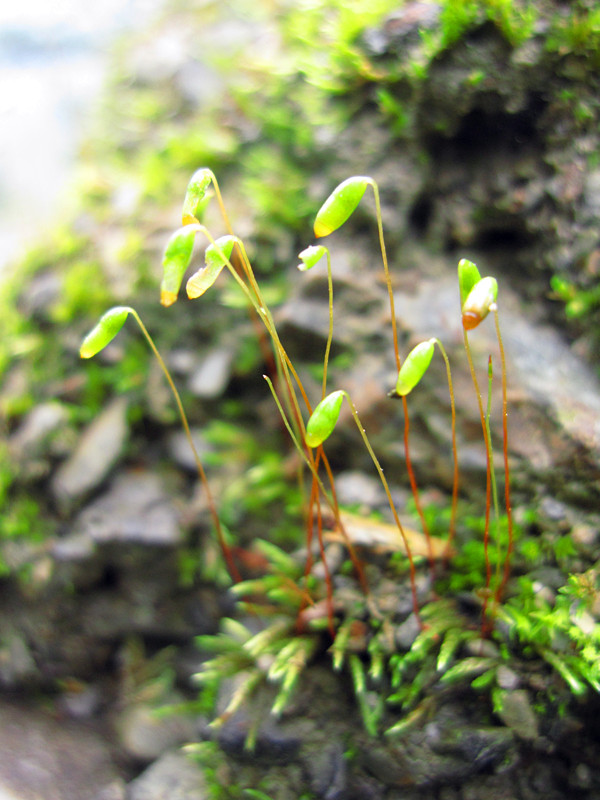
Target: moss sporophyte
point(297, 597)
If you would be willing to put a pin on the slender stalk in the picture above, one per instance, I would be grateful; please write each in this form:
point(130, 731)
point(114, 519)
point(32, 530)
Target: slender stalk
point(509, 517)
point(383, 479)
point(414, 488)
point(390, 289)
point(486, 532)
point(306, 455)
point(493, 471)
point(455, 473)
point(386, 270)
point(226, 550)
point(330, 332)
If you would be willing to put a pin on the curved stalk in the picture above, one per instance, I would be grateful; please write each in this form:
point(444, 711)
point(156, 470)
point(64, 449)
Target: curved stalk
point(509, 518)
point(488, 447)
point(384, 483)
point(226, 550)
point(455, 474)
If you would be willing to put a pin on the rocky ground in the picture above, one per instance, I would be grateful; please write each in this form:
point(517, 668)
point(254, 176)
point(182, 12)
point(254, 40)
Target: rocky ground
point(99, 615)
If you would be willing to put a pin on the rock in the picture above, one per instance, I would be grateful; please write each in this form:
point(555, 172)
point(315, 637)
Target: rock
point(181, 452)
point(173, 776)
point(17, 664)
point(145, 735)
point(97, 451)
point(212, 376)
point(407, 632)
point(43, 757)
point(515, 711)
point(135, 509)
point(40, 423)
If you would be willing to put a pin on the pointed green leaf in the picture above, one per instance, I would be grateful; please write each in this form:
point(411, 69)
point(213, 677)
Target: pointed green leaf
point(340, 205)
point(216, 256)
point(311, 256)
point(479, 300)
point(323, 419)
point(414, 367)
point(468, 276)
point(199, 183)
point(104, 332)
point(176, 259)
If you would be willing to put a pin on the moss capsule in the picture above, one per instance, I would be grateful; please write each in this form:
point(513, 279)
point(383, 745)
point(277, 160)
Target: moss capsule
point(199, 183)
point(176, 259)
point(468, 276)
point(323, 419)
point(104, 332)
point(340, 205)
point(479, 300)
point(414, 367)
point(216, 256)
point(311, 256)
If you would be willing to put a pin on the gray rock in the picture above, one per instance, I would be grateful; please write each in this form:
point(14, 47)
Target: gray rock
point(42, 758)
point(35, 429)
point(134, 509)
point(516, 713)
point(211, 377)
point(173, 776)
point(144, 735)
point(97, 451)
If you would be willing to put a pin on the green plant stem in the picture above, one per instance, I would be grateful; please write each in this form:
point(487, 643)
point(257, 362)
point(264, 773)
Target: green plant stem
point(309, 460)
point(507, 499)
point(330, 332)
point(388, 280)
point(455, 472)
point(493, 472)
point(486, 532)
point(384, 483)
point(226, 550)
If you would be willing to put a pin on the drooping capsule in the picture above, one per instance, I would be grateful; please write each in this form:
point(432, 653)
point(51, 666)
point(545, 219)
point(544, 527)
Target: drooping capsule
point(340, 205)
point(311, 256)
point(216, 256)
point(196, 190)
point(176, 259)
point(414, 367)
point(478, 303)
point(468, 276)
point(324, 418)
point(104, 331)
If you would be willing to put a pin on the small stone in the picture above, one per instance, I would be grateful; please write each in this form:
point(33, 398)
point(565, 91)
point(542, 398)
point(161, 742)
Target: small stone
point(357, 487)
point(507, 678)
point(516, 713)
point(483, 648)
point(98, 449)
point(173, 776)
point(212, 376)
point(35, 429)
point(584, 537)
point(135, 509)
point(407, 632)
point(144, 735)
point(181, 452)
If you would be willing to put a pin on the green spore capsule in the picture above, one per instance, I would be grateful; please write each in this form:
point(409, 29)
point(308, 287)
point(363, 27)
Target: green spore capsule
point(176, 259)
point(468, 276)
point(414, 367)
point(104, 332)
point(478, 303)
point(216, 256)
point(340, 205)
point(324, 418)
point(311, 256)
point(199, 183)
